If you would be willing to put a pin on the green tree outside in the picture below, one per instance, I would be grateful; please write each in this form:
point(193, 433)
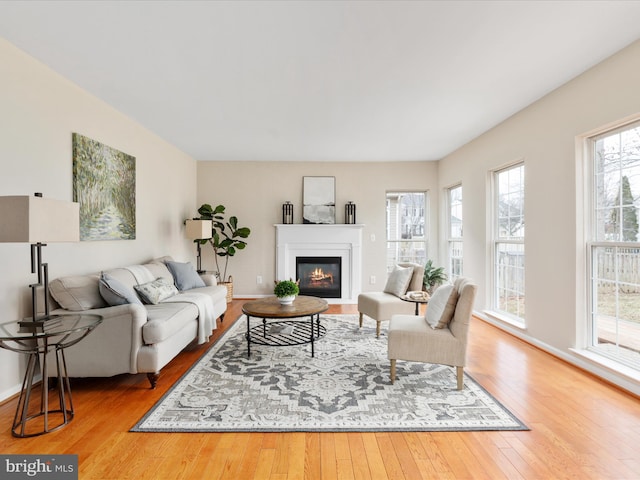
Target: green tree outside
point(625, 206)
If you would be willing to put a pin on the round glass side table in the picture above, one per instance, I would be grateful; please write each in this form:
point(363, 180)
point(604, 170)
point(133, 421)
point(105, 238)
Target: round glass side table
point(57, 334)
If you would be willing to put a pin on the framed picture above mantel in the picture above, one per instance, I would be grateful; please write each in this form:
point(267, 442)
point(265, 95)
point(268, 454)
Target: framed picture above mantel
point(319, 200)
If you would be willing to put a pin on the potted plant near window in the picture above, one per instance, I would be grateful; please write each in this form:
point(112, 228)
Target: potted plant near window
point(286, 291)
point(227, 239)
point(433, 277)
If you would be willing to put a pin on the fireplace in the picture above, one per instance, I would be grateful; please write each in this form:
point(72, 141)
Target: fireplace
point(320, 276)
point(322, 240)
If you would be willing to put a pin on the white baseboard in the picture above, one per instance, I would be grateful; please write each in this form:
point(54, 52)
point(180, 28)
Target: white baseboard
point(619, 376)
point(12, 391)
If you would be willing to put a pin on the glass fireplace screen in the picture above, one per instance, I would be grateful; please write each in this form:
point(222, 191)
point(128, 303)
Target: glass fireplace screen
point(320, 276)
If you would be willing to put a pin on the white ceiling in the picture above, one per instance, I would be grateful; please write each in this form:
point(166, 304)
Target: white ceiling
point(320, 80)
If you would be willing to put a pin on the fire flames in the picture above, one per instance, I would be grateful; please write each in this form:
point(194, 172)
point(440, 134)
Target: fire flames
point(319, 277)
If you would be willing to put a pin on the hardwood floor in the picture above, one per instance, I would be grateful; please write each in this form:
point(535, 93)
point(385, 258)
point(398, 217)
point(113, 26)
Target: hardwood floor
point(581, 428)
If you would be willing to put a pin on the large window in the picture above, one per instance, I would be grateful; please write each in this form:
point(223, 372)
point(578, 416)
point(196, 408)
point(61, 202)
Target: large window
point(508, 244)
point(406, 228)
point(455, 232)
point(614, 247)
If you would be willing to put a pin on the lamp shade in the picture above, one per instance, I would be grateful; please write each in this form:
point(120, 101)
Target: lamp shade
point(32, 219)
point(199, 229)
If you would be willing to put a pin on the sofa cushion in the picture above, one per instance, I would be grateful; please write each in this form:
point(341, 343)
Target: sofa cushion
point(398, 281)
point(162, 260)
point(185, 276)
point(382, 306)
point(156, 291)
point(442, 306)
point(77, 293)
point(165, 319)
point(159, 270)
point(218, 293)
point(125, 276)
point(115, 292)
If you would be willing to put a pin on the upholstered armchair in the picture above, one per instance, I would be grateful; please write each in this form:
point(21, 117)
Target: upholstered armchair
point(380, 306)
point(441, 335)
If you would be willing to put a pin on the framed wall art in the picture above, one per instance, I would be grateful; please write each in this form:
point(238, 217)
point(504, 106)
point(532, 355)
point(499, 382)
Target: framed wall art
point(319, 199)
point(104, 184)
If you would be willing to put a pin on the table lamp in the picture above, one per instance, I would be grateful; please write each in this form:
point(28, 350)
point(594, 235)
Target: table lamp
point(199, 230)
point(38, 221)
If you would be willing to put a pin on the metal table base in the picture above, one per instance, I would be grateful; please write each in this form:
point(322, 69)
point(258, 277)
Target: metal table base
point(301, 332)
point(63, 411)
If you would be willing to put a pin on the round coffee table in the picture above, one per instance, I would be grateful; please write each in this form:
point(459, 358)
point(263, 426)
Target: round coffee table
point(283, 331)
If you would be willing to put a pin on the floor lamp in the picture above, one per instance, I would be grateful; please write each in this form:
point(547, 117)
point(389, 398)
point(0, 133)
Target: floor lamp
point(38, 221)
point(199, 230)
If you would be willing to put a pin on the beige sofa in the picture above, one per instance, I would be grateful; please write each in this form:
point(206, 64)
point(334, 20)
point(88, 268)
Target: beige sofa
point(147, 320)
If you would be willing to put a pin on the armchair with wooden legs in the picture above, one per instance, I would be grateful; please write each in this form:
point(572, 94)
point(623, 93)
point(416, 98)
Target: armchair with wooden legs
point(413, 339)
point(380, 306)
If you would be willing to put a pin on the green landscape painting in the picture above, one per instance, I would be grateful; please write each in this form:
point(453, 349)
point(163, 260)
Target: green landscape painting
point(104, 184)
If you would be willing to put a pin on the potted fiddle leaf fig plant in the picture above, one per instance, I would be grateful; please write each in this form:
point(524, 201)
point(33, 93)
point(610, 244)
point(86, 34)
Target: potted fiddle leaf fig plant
point(227, 239)
point(433, 277)
point(286, 291)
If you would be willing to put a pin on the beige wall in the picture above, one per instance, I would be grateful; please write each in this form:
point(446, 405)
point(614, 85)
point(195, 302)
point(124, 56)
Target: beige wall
point(255, 192)
point(544, 137)
point(39, 110)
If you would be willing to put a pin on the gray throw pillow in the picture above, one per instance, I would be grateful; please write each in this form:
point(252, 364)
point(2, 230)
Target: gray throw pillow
point(156, 291)
point(114, 292)
point(442, 306)
point(399, 281)
point(185, 276)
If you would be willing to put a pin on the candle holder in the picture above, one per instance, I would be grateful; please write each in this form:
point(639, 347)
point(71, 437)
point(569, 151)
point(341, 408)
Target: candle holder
point(350, 213)
point(287, 213)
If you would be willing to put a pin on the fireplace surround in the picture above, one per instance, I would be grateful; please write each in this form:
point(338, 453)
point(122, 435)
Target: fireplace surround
point(322, 241)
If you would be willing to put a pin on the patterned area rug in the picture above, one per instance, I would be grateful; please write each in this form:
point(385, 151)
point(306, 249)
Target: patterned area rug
point(345, 387)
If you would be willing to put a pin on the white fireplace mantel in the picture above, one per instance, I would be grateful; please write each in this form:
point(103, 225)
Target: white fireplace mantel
point(322, 240)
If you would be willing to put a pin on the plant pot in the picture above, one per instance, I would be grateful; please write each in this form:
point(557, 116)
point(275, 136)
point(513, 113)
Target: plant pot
point(288, 300)
point(229, 286)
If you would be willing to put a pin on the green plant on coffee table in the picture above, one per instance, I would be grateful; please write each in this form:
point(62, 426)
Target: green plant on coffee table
point(286, 288)
point(227, 236)
point(433, 276)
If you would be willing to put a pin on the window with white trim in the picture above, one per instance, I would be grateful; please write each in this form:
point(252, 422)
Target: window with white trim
point(454, 237)
point(406, 228)
point(614, 247)
point(508, 243)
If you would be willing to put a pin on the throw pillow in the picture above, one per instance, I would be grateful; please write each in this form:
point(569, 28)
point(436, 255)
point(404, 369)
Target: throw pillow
point(156, 291)
point(77, 293)
point(115, 292)
point(441, 306)
point(398, 281)
point(185, 276)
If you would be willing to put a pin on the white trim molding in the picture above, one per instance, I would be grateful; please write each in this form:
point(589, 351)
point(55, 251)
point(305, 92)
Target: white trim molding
point(318, 240)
